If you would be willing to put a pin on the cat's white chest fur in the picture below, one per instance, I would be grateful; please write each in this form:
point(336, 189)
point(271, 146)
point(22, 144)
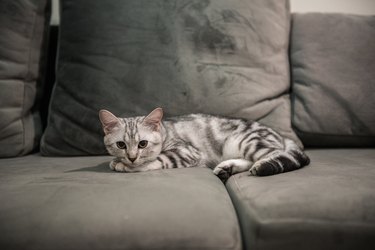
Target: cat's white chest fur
point(230, 149)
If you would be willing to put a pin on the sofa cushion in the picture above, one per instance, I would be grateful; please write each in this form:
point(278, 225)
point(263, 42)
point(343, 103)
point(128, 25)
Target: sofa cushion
point(23, 27)
point(217, 57)
point(78, 203)
point(329, 204)
point(333, 66)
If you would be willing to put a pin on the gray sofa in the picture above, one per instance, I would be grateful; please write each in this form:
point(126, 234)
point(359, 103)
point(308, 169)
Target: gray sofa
point(68, 198)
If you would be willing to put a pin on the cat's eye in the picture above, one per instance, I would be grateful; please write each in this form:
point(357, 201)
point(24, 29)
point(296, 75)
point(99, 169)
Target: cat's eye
point(121, 145)
point(142, 144)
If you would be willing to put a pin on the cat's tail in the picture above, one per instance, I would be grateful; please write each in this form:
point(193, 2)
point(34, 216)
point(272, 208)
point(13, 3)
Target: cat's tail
point(291, 157)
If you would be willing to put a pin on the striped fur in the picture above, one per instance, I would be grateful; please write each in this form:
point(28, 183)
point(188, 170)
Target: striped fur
point(228, 146)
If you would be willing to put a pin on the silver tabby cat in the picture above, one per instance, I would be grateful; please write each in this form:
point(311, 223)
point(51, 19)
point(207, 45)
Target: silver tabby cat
point(228, 146)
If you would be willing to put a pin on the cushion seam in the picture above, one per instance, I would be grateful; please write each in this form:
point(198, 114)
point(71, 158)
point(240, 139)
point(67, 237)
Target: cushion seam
point(24, 150)
point(310, 133)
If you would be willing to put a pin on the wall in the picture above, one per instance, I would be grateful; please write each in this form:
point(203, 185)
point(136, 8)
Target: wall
point(55, 12)
point(362, 7)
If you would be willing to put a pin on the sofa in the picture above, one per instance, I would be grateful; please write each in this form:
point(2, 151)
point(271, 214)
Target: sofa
point(310, 76)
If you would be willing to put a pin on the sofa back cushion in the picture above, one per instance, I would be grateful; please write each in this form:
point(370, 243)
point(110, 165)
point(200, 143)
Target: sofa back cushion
point(333, 69)
point(23, 27)
point(218, 57)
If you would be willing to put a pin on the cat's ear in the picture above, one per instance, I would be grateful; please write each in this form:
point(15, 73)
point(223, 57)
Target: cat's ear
point(153, 120)
point(109, 121)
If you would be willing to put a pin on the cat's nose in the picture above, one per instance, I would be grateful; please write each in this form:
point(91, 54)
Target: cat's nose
point(132, 159)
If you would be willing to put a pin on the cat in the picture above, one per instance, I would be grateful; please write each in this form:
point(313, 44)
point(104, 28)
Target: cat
point(226, 145)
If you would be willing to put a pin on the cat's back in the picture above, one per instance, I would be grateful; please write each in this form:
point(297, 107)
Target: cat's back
point(198, 122)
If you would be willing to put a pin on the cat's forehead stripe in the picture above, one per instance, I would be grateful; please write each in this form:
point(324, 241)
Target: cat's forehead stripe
point(131, 130)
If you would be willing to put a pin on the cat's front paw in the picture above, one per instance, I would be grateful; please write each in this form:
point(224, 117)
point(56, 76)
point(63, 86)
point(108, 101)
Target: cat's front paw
point(230, 167)
point(223, 170)
point(117, 165)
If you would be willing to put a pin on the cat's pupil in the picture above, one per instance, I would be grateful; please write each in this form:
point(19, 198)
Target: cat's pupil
point(121, 144)
point(142, 144)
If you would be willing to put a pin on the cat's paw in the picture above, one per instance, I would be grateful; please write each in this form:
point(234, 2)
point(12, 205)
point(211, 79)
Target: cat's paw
point(224, 170)
point(253, 171)
point(264, 167)
point(223, 167)
point(117, 165)
point(230, 167)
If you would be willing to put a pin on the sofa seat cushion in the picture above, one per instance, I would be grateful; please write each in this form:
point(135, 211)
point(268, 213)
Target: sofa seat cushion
point(78, 203)
point(329, 204)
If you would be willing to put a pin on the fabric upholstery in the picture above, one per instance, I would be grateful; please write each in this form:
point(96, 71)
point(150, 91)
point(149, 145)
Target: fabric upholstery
point(333, 62)
point(329, 204)
point(79, 203)
point(23, 27)
point(217, 57)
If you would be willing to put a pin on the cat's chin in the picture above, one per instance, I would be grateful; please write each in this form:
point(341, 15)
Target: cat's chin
point(136, 164)
point(134, 167)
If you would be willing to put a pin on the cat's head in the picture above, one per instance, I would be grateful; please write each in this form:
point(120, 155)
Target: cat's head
point(135, 140)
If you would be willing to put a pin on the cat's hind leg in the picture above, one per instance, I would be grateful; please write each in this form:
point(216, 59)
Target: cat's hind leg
point(233, 166)
point(279, 161)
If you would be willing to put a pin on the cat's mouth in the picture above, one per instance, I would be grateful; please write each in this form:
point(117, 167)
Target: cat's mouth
point(137, 162)
point(133, 164)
